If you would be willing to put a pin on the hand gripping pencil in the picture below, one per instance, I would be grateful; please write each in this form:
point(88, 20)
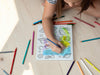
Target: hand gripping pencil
point(53, 43)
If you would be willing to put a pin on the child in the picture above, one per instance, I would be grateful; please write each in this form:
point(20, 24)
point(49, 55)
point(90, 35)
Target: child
point(91, 7)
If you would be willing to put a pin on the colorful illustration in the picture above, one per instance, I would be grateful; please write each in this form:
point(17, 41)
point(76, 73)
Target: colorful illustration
point(63, 33)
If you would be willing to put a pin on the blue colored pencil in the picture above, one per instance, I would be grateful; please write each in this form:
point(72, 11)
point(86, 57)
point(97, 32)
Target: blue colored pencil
point(37, 22)
point(6, 52)
point(26, 52)
point(53, 43)
point(4, 71)
point(70, 67)
point(90, 39)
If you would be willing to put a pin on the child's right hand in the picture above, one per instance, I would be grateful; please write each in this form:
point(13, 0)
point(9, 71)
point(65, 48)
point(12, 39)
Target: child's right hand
point(56, 48)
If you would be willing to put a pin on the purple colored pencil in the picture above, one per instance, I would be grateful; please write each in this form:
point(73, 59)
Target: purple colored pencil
point(84, 22)
point(70, 67)
point(33, 42)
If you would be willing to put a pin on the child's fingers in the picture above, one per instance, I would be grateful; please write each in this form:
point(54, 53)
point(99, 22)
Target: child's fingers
point(57, 50)
point(61, 45)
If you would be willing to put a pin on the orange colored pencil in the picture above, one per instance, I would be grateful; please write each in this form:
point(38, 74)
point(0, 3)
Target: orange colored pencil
point(63, 21)
point(80, 68)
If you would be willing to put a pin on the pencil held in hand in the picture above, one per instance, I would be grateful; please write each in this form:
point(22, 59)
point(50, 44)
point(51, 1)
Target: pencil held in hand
point(56, 45)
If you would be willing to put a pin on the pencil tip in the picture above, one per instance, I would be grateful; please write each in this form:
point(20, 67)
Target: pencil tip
point(16, 48)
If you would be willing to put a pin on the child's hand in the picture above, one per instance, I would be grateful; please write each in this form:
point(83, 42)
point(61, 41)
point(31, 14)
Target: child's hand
point(56, 48)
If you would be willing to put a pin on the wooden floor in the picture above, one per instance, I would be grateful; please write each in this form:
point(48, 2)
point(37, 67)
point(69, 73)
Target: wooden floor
point(21, 15)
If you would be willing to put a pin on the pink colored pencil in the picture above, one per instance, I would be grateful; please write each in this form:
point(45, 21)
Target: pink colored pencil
point(84, 22)
point(33, 42)
point(97, 23)
point(13, 61)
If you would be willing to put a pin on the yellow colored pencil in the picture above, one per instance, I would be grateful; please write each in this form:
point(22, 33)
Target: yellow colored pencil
point(92, 65)
point(80, 68)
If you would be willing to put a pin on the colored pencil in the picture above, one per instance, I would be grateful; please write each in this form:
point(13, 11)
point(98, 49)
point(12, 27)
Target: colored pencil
point(13, 61)
point(37, 22)
point(63, 21)
point(92, 65)
point(53, 43)
point(26, 52)
point(33, 42)
point(84, 22)
point(86, 67)
point(57, 18)
point(70, 67)
point(90, 39)
point(70, 24)
point(6, 52)
point(97, 23)
point(62, 24)
point(4, 71)
point(40, 21)
point(80, 68)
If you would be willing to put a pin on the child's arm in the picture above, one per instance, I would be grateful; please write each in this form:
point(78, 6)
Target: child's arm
point(47, 23)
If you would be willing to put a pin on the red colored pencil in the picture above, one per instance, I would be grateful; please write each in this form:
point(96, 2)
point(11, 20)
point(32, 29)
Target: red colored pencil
point(63, 23)
point(84, 22)
point(97, 23)
point(13, 61)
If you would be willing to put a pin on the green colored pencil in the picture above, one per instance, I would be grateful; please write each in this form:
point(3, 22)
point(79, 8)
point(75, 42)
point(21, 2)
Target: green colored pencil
point(90, 39)
point(26, 51)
